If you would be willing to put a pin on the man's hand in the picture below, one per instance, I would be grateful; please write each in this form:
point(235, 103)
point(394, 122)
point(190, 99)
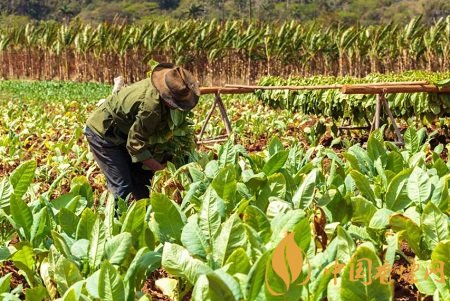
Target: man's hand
point(154, 165)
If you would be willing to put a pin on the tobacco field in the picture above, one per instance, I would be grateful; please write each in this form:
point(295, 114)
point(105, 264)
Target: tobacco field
point(363, 218)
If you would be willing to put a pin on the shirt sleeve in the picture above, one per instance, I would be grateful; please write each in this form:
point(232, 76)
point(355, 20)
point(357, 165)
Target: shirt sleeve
point(138, 137)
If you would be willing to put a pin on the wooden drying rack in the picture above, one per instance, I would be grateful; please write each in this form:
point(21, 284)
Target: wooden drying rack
point(380, 89)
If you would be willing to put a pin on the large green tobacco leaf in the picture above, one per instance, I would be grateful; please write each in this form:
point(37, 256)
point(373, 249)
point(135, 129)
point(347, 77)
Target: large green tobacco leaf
point(109, 215)
point(39, 228)
point(72, 294)
point(80, 248)
point(4, 253)
point(441, 253)
point(168, 216)
point(284, 223)
point(227, 154)
point(353, 161)
point(408, 230)
point(256, 219)
point(25, 256)
point(256, 279)
point(275, 146)
point(211, 169)
point(253, 181)
point(4, 283)
point(60, 244)
point(135, 216)
point(231, 236)
point(71, 201)
point(305, 193)
point(177, 117)
point(426, 284)
point(363, 210)
point(345, 245)
point(419, 186)
point(363, 185)
point(318, 287)
point(177, 261)
point(66, 274)
point(6, 190)
point(212, 209)
point(22, 177)
point(380, 220)
point(80, 185)
point(97, 241)
point(238, 262)
point(274, 187)
point(24, 260)
point(363, 161)
point(117, 249)
point(275, 162)
point(86, 223)
point(434, 225)
point(256, 245)
point(193, 238)
point(391, 249)
point(412, 142)
point(37, 293)
point(21, 215)
point(110, 284)
point(365, 288)
point(276, 207)
point(397, 193)
point(394, 162)
point(376, 149)
point(144, 262)
point(440, 195)
point(431, 282)
point(340, 207)
point(303, 235)
point(224, 184)
point(216, 286)
point(68, 221)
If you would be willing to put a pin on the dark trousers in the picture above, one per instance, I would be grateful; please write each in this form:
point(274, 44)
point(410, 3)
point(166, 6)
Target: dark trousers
point(122, 176)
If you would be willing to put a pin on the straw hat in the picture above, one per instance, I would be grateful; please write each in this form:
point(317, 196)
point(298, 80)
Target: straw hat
point(176, 86)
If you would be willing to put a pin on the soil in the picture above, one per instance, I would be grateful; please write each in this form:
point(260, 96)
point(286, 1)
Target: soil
point(17, 279)
point(403, 275)
point(151, 290)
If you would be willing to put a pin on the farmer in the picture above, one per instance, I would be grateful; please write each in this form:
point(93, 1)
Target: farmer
point(118, 131)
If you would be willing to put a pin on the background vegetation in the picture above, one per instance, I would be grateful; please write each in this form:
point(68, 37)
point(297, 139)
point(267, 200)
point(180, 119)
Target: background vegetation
point(220, 52)
point(322, 11)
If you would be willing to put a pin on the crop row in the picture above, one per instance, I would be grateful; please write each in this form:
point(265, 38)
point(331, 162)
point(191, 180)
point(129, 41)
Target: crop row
point(216, 225)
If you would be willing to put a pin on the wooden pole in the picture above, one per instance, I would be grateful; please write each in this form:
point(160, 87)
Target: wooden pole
point(220, 138)
point(366, 89)
point(325, 87)
point(212, 140)
point(411, 83)
point(223, 113)
point(293, 88)
point(370, 88)
point(208, 117)
point(223, 90)
point(391, 117)
point(378, 112)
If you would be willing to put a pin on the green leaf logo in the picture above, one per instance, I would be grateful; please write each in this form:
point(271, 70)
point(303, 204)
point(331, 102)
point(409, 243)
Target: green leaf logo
point(287, 263)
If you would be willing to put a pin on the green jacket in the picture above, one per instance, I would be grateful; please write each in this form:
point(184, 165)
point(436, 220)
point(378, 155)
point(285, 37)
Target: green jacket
point(130, 117)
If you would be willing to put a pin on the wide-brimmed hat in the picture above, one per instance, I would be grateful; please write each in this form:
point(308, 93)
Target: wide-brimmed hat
point(176, 86)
